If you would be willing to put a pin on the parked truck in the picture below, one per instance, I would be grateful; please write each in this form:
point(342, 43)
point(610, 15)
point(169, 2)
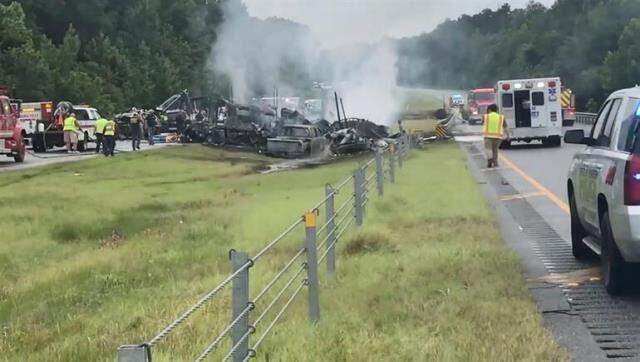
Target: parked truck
point(479, 100)
point(48, 132)
point(11, 141)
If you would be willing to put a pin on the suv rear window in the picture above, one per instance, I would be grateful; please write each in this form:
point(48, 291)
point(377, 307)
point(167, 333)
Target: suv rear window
point(629, 124)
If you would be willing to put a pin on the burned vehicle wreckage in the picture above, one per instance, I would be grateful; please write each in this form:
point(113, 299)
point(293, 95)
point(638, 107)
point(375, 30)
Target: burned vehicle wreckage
point(260, 126)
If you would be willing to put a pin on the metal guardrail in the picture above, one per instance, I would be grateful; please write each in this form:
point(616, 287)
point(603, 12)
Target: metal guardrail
point(586, 118)
point(337, 222)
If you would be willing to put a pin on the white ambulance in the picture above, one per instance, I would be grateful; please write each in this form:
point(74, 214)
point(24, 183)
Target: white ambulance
point(532, 110)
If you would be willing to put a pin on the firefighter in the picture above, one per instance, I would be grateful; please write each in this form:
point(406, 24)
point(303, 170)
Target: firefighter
point(136, 129)
point(109, 138)
point(70, 128)
point(151, 126)
point(493, 132)
point(99, 132)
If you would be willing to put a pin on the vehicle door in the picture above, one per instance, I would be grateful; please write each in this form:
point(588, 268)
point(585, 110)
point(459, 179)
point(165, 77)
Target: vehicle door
point(598, 161)
point(7, 119)
point(538, 109)
point(522, 100)
point(506, 108)
point(580, 164)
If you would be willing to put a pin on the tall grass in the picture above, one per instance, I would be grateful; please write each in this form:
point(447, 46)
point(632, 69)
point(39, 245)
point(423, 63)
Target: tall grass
point(108, 251)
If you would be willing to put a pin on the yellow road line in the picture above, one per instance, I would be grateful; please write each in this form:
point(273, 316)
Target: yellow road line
point(521, 196)
point(548, 194)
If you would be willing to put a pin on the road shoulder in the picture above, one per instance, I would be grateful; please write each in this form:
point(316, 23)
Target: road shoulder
point(566, 326)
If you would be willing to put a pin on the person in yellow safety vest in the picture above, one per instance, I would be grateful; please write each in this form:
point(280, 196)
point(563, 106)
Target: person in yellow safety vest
point(99, 132)
point(493, 131)
point(70, 129)
point(109, 138)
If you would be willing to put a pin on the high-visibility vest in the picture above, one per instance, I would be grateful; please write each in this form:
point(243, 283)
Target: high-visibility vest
point(100, 124)
point(69, 124)
point(110, 128)
point(493, 126)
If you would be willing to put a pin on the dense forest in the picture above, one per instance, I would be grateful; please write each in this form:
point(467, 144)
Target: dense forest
point(109, 53)
point(594, 45)
point(117, 53)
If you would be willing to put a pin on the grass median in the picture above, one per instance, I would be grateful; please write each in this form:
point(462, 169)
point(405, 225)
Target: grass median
point(105, 252)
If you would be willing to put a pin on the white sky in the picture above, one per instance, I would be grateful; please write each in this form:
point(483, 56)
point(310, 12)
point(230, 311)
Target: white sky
point(340, 22)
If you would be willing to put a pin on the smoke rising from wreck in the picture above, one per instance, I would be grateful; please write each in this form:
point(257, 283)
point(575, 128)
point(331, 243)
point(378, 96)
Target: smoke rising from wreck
point(260, 55)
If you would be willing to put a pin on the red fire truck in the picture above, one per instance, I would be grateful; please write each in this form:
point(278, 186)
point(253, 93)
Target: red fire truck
point(479, 100)
point(11, 142)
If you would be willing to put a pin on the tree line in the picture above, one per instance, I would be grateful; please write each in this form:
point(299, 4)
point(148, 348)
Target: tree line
point(593, 45)
point(112, 54)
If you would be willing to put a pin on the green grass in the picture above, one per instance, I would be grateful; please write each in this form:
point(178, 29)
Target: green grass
point(419, 102)
point(105, 252)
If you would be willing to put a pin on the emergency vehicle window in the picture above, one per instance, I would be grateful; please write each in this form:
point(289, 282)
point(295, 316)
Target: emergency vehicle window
point(5, 107)
point(82, 115)
point(605, 138)
point(602, 117)
point(507, 100)
point(537, 98)
point(629, 123)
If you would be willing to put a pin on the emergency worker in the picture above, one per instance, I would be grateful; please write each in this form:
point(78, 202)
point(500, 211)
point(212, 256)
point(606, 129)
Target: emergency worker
point(152, 122)
point(70, 129)
point(136, 121)
point(109, 138)
point(493, 131)
point(99, 132)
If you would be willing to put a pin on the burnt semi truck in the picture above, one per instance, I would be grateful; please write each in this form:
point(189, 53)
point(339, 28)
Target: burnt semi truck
point(249, 125)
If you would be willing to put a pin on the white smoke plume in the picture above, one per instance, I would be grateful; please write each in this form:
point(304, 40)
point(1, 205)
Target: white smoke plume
point(261, 55)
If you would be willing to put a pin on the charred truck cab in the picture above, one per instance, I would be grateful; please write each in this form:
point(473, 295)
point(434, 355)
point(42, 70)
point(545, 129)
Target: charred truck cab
point(532, 110)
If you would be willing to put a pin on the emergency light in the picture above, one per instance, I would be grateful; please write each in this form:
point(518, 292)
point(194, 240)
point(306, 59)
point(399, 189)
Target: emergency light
point(518, 86)
point(552, 84)
point(540, 84)
point(506, 87)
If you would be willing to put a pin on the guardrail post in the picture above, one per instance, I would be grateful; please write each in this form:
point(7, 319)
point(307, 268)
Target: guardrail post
point(358, 186)
point(240, 301)
point(399, 152)
point(331, 228)
point(312, 266)
point(392, 165)
point(380, 173)
point(134, 353)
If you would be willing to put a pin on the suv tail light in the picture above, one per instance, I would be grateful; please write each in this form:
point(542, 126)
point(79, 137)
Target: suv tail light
point(632, 181)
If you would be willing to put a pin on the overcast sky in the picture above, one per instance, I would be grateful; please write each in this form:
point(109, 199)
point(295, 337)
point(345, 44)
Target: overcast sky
point(337, 22)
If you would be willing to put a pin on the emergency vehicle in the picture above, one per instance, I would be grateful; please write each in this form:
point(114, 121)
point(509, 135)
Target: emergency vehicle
point(11, 142)
point(532, 110)
point(568, 101)
point(48, 132)
point(456, 100)
point(30, 114)
point(479, 100)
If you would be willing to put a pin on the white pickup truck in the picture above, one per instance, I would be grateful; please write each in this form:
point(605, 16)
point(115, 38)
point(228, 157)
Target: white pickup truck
point(604, 189)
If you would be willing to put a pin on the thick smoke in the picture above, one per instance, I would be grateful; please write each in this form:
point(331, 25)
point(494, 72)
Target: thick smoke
point(366, 78)
point(259, 56)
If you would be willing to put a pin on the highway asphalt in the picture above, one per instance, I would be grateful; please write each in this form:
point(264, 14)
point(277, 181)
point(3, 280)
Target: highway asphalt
point(539, 175)
point(542, 173)
point(59, 155)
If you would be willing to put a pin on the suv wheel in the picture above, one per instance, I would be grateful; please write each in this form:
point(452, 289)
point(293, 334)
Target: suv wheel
point(19, 157)
point(580, 251)
point(612, 263)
